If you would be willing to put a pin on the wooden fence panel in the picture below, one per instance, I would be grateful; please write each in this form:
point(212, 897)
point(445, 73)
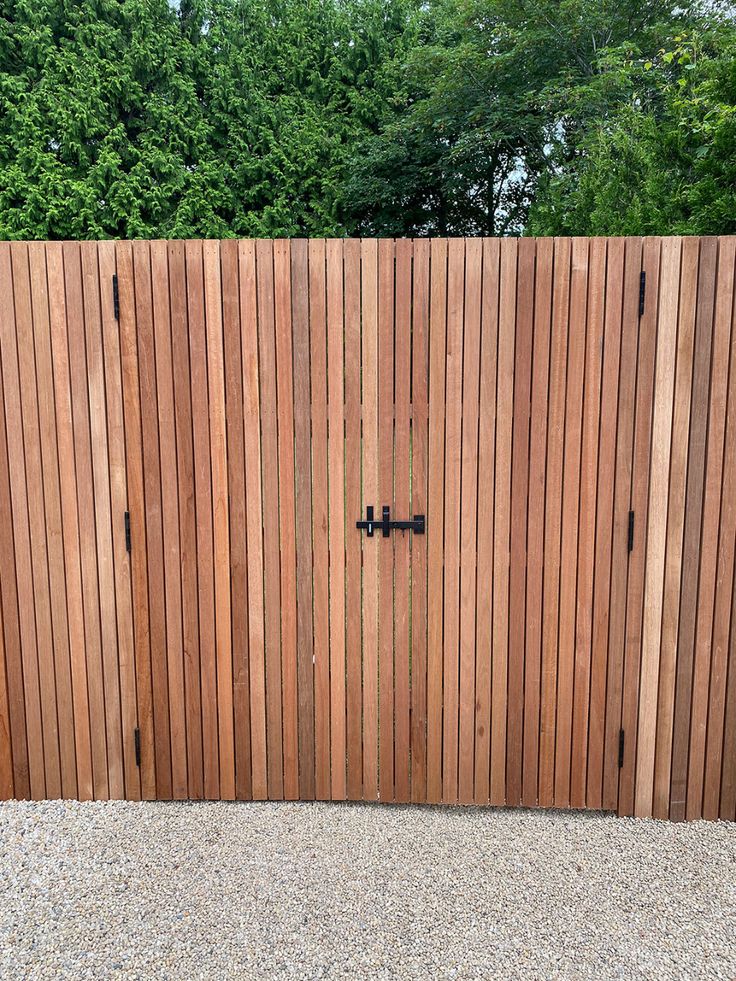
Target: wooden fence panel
point(190, 432)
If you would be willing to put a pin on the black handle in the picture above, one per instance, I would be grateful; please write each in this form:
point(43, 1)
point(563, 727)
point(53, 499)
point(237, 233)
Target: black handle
point(416, 524)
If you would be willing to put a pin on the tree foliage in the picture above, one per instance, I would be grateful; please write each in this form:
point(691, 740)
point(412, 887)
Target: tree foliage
point(141, 118)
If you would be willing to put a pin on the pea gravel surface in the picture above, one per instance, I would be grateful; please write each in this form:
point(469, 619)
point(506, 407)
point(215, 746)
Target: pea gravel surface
point(217, 890)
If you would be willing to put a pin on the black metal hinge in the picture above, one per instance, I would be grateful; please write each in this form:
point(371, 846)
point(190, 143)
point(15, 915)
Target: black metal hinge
point(621, 738)
point(137, 738)
point(630, 542)
point(642, 291)
point(127, 531)
point(115, 297)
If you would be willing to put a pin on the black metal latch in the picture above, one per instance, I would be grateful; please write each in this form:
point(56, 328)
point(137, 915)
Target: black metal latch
point(385, 524)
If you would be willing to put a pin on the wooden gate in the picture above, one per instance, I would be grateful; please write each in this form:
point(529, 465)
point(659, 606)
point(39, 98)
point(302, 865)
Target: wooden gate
point(430, 520)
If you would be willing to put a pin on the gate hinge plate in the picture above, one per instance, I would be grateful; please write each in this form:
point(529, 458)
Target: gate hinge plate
point(115, 296)
point(630, 538)
point(137, 738)
point(621, 740)
point(642, 292)
point(127, 531)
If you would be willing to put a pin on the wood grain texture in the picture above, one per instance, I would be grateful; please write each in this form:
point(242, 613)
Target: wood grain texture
point(245, 402)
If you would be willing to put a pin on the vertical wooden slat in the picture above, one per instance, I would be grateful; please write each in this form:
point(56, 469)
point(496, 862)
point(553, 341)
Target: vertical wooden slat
point(453, 451)
point(336, 511)
point(535, 534)
point(287, 529)
point(722, 623)
point(320, 551)
point(502, 525)
point(220, 517)
point(486, 497)
point(31, 444)
point(570, 516)
point(657, 527)
point(369, 359)
point(435, 513)
point(707, 340)
point(728, 775)
point(553, 518)
point(303, 478)
point(203, 499)
point(13, 652)
point(270, 481)
point(162, 330)
point(153, 516)
point(708, 565)
point(103, 518)
point(6, 753)
point(252, 441)
point(187, 515)
point(675, 519)
point(236, 510)
point(468, 504)
point(136, 508)
point(85, 501)
point(519, 499)
point(386, 493)
point(419, 452)
point(586, 529)
point(621, 504)
point(400, 507)
point(118, 507)
point(639, 504)
point(599, 654)
point(353, 506)
point(53, 518)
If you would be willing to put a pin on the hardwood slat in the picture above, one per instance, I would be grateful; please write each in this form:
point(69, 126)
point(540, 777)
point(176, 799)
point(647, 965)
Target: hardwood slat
point(252, 430)
point(385, 493)
point(453, 451)
point(553, 518)
point(85, 500)
point(353, 511)
point(621, 504)
point(707, 341)
point(287, 527)
point(707, 581)
point(570, 516)
point(502, 525)
point(468, 504)
point(221, 517)
point(162, 334)
point(320, 587)
point(400, 510)
point(639, 504)
point(419, 454)
point(675, 520)
point(369, 363)
point(53, 518)
point(118, 507)
point(12, 650)
point(303, 478)
point(236, 510)
point(336, 512)
point(36, 517)
point(136, 508)
point(153, 516)
point(486, 496)
point(187, 516)
point(722, 624)
point(203, 502)
point(6, 751)
point(535, 534)
point(519, 500)
point(435, 513)
point(599, 656)
point(587, 520)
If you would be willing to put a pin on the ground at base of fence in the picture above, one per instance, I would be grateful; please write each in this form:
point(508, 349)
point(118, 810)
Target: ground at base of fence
point(217, 890)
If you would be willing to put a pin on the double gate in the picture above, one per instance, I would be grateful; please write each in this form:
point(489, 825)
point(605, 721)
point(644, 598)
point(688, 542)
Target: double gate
point(430, 520)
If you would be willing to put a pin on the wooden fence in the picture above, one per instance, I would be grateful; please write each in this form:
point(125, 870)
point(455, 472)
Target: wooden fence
point(192, 430)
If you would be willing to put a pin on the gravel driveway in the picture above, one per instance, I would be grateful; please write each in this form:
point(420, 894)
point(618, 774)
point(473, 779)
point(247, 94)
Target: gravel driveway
point(336, 891)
